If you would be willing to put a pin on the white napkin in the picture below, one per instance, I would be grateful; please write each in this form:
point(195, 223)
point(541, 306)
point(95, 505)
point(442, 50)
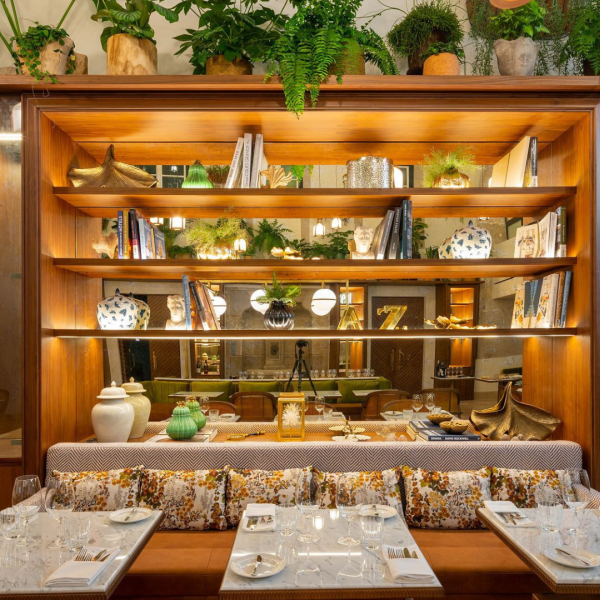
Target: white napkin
point(80, 573)
point(265, 514)
point(505, 506)
point(408, 570)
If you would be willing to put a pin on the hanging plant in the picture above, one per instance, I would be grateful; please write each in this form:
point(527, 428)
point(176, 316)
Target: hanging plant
point(197, 177)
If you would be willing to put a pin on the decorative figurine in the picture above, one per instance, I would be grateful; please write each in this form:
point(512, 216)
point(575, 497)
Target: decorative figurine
point(112, 174)
point(276, 176)
point(176, 306)
point(363, 238)
point(181, 426)
point(106, 244)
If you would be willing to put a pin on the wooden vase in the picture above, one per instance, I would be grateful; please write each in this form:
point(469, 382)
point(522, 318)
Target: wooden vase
point(219, 65)
point(442, 64)
point(129, 55)
point(52, 62)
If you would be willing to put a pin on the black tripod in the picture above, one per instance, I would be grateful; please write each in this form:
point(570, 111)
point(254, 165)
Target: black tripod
point(300, 367)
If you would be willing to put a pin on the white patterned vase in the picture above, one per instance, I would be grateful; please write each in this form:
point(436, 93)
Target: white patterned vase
point(112, 418)
point(471, 242)
point(122, 312)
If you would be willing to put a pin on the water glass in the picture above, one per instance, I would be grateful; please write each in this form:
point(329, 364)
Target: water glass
point(10, 524)
point(407, 415)
point(213, 415)
point(78, 528)
point(59, 502)
point(371, 531)
point(328, 413)
point(430, 402)
point(305, 502)
point(372, 567)
point(549, 509)
point(575, 490)
point(251, 374)
point(288, 517)
point(261, 375)
point(319, 406)
point(347, 503)
point(24, 490)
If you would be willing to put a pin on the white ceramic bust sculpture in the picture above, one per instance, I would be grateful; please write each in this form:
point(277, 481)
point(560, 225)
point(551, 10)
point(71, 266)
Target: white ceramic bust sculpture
point(363, 238)
point(177, 307)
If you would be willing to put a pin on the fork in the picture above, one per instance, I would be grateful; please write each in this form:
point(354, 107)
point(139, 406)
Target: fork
point(394, 553)
point(86, 557)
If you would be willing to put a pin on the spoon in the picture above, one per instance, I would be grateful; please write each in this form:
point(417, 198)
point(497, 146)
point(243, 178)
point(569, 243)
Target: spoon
point(256, 564)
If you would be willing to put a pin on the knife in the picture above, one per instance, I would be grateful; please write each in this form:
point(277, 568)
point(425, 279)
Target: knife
point(414, 554)
point(375, 511)
point(406, 553)
point(573, 557)
point(252, 522)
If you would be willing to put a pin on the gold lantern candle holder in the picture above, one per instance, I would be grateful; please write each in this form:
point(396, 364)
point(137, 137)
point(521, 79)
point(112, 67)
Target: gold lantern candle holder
point(290, 417)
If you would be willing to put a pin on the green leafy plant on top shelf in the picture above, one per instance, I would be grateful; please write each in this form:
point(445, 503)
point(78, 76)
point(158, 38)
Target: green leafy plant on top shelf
point(419, 237)
point(215, 239)
point(301, 246)
point(235, 29)
point(432, 252)
point(427, 22)
point(282, 293)
point(583, 43)
point(266, 236)
point(173, 250)
point(133, 18)
point(298, 171)
point(548, 14)
point(337, 242)
point(217, 174)
point(438, 162)
point(25, 47)
point(442, 47)
point(320, 39)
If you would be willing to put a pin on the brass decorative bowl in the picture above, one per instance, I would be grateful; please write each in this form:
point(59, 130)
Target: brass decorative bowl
point(457, 426)
point(438, 418)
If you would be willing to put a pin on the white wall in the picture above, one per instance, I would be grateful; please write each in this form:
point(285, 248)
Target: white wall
point(86, 33)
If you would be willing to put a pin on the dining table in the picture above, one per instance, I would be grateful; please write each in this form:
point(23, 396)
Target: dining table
point(324, 569)
point(196, 394)
point(24, 570)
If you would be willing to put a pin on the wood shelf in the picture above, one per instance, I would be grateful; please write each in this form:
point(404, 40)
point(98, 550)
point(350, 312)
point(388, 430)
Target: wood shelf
point(316, 202)
point(312, 270)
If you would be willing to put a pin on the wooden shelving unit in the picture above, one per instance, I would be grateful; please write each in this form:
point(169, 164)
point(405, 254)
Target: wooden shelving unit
point(316, 202)
point(303, 270)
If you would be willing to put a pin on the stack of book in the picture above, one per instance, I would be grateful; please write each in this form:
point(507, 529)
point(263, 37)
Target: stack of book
point(248, 161)
point(199, 309)
point(138, 238)
point(542, 303)
point(393, 235)
point(518, 168)
point(546, 238)
point(430, 432)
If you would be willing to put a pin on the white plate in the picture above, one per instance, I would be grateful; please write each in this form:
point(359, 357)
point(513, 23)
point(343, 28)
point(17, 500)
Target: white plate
point(393, 413)
point(119, 516)
point(382, 509)
point(270, 565)
point(351, 438)
point(591, 557)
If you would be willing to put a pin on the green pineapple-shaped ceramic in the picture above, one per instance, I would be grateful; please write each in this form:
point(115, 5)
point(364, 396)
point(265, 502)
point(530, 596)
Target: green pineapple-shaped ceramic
point(182, 426)
point(195, 411)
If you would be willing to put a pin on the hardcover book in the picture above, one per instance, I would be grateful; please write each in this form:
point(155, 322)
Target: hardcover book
point(565, 300)
point(145, 229)
point(185, 282)
point(531, 167)
point(394, 246)
point(385, 235)
point(160, 249)
point(235, 169)
point(561, 232)
point(547, 229)
point(247, 161)
point(201, 322)
point(518, 316)
point(134, 231)
point(546, 306)
point(516, 163)
point(120, 234)
point(527, 241)
point(257, 160)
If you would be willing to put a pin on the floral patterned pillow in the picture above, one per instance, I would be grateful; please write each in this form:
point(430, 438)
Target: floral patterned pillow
point(104, 490)
point(445, 500)
point(383, 487)
point(245, 486)
point(189, 499)
point(520, 486)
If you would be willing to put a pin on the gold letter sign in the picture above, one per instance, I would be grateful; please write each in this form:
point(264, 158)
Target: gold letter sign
point(349, 319)
point(394, 314)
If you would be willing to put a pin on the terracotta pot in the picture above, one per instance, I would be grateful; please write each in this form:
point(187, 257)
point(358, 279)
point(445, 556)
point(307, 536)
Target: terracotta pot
point(129, 55)
point(52, 62)
point(351, 60)
point(415, 64)
point(442, 64)
point(81, 64)
point(516, 57)
point(219, 65)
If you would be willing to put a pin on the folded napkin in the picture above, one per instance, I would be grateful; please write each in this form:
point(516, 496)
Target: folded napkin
point(408, 570)
point(259, 517)
point(80, 573)
point(500, 507)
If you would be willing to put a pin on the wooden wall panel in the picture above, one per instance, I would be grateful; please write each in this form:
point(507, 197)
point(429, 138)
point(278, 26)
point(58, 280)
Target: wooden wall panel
point(8, 472)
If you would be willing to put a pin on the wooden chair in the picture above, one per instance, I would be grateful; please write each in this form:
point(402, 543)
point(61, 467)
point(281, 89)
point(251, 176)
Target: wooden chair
point(397, 405)
point(311, 410)
point(446, 398)
point(254, 406)
point(159, 411)
point(375, 401)
point(224, 408)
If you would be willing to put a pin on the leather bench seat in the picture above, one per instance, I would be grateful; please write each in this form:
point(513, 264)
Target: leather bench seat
point(188, 565)
point(475, 564)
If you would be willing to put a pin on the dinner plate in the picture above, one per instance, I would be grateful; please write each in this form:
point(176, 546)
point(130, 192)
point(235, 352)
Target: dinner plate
point(119, 516)
point(382, 510)
point(351, 438)
point(393, 413)
point(591, 557)
point(270, 565)
point(342, 427)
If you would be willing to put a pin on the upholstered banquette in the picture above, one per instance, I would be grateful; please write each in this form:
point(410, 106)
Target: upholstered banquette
point(190, 564)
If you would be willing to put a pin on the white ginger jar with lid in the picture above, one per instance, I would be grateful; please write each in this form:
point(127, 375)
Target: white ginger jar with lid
point(141, 407)
point(112, 418)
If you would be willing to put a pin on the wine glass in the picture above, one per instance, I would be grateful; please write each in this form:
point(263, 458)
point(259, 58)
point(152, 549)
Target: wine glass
point(319, 406)
point(575, 489)
point(305, 501)
point(417, 402)
point(430, 402)
point(204, 405)
point(59, 502)
point(24, 488)
point(346, 502)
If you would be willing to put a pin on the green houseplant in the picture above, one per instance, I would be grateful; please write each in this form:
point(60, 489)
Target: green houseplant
point(443, 168)
point(443, 58)
point(266, 236)
point(419, 237)
point(583, 43)
point(425, 24)
point(280, 299)
point(129, 40)
point(320, 39)
point(42, 51)
point(215, 241)
point(231, 35)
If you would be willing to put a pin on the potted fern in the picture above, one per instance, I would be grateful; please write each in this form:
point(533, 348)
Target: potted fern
point(215, 241)
point(443, 58)
point(583, 43)
point(266, 236)
point(41, 51)
point(427, 23)
point(129, 40)
point(443, 169)
point(280, 299)
point(231, 35)
point(322, 39)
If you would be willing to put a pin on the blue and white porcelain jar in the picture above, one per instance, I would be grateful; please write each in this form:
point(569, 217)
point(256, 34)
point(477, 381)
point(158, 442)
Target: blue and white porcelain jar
point(468, 242)
point(122, 312)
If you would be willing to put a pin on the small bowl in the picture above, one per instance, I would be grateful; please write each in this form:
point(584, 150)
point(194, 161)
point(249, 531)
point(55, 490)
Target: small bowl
point(438, 418)
point(456, 426)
